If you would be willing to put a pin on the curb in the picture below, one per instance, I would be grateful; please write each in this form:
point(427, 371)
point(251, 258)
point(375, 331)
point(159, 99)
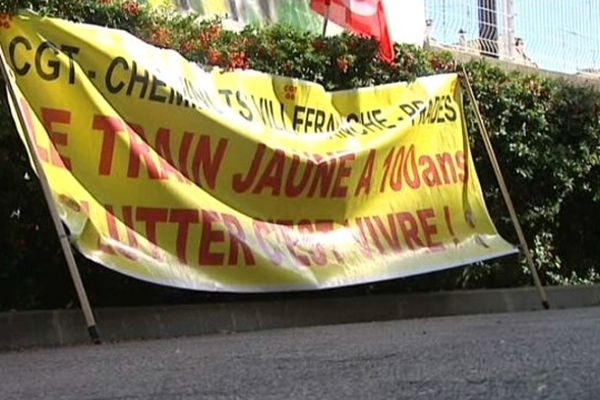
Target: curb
point(28, 329)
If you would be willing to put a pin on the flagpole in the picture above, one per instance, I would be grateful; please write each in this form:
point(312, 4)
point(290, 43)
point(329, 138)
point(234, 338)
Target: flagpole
point(500, 178)
point(326, 18)
point(60, 230)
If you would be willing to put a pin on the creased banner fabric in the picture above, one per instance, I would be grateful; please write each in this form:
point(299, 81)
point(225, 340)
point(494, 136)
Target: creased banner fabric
point(242, 181)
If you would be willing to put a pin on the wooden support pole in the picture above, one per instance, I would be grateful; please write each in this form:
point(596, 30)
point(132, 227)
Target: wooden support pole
point(60, 230)
point(326, 18)
point(466, 84)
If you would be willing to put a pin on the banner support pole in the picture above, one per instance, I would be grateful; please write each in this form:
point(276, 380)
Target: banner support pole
point(326, 18)
point(464, 79)
point(60, 230)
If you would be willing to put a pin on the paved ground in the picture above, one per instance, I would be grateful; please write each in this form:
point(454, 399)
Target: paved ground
point(538, 355)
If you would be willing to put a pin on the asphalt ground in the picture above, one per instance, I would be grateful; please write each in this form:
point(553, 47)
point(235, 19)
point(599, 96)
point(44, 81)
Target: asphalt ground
point(551, 354)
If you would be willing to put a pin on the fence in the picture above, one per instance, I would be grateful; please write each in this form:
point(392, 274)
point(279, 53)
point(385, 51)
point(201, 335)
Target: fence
point(556, 35)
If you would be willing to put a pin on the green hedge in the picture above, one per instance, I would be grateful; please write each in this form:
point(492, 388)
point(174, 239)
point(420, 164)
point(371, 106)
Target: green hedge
point(546, 133)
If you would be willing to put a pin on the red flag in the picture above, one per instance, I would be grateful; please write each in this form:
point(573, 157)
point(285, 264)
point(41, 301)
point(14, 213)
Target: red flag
point(365, 17)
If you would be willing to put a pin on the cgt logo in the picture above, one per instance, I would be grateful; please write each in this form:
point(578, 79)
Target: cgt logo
point(364, 8)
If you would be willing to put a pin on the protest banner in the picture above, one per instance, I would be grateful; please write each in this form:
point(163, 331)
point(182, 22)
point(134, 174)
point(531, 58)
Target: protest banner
point(241, 181)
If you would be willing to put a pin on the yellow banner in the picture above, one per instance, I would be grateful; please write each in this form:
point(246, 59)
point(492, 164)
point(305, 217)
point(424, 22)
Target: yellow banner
point(242, 181)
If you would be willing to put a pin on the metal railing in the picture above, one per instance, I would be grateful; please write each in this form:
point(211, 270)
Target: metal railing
point(556, 35)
